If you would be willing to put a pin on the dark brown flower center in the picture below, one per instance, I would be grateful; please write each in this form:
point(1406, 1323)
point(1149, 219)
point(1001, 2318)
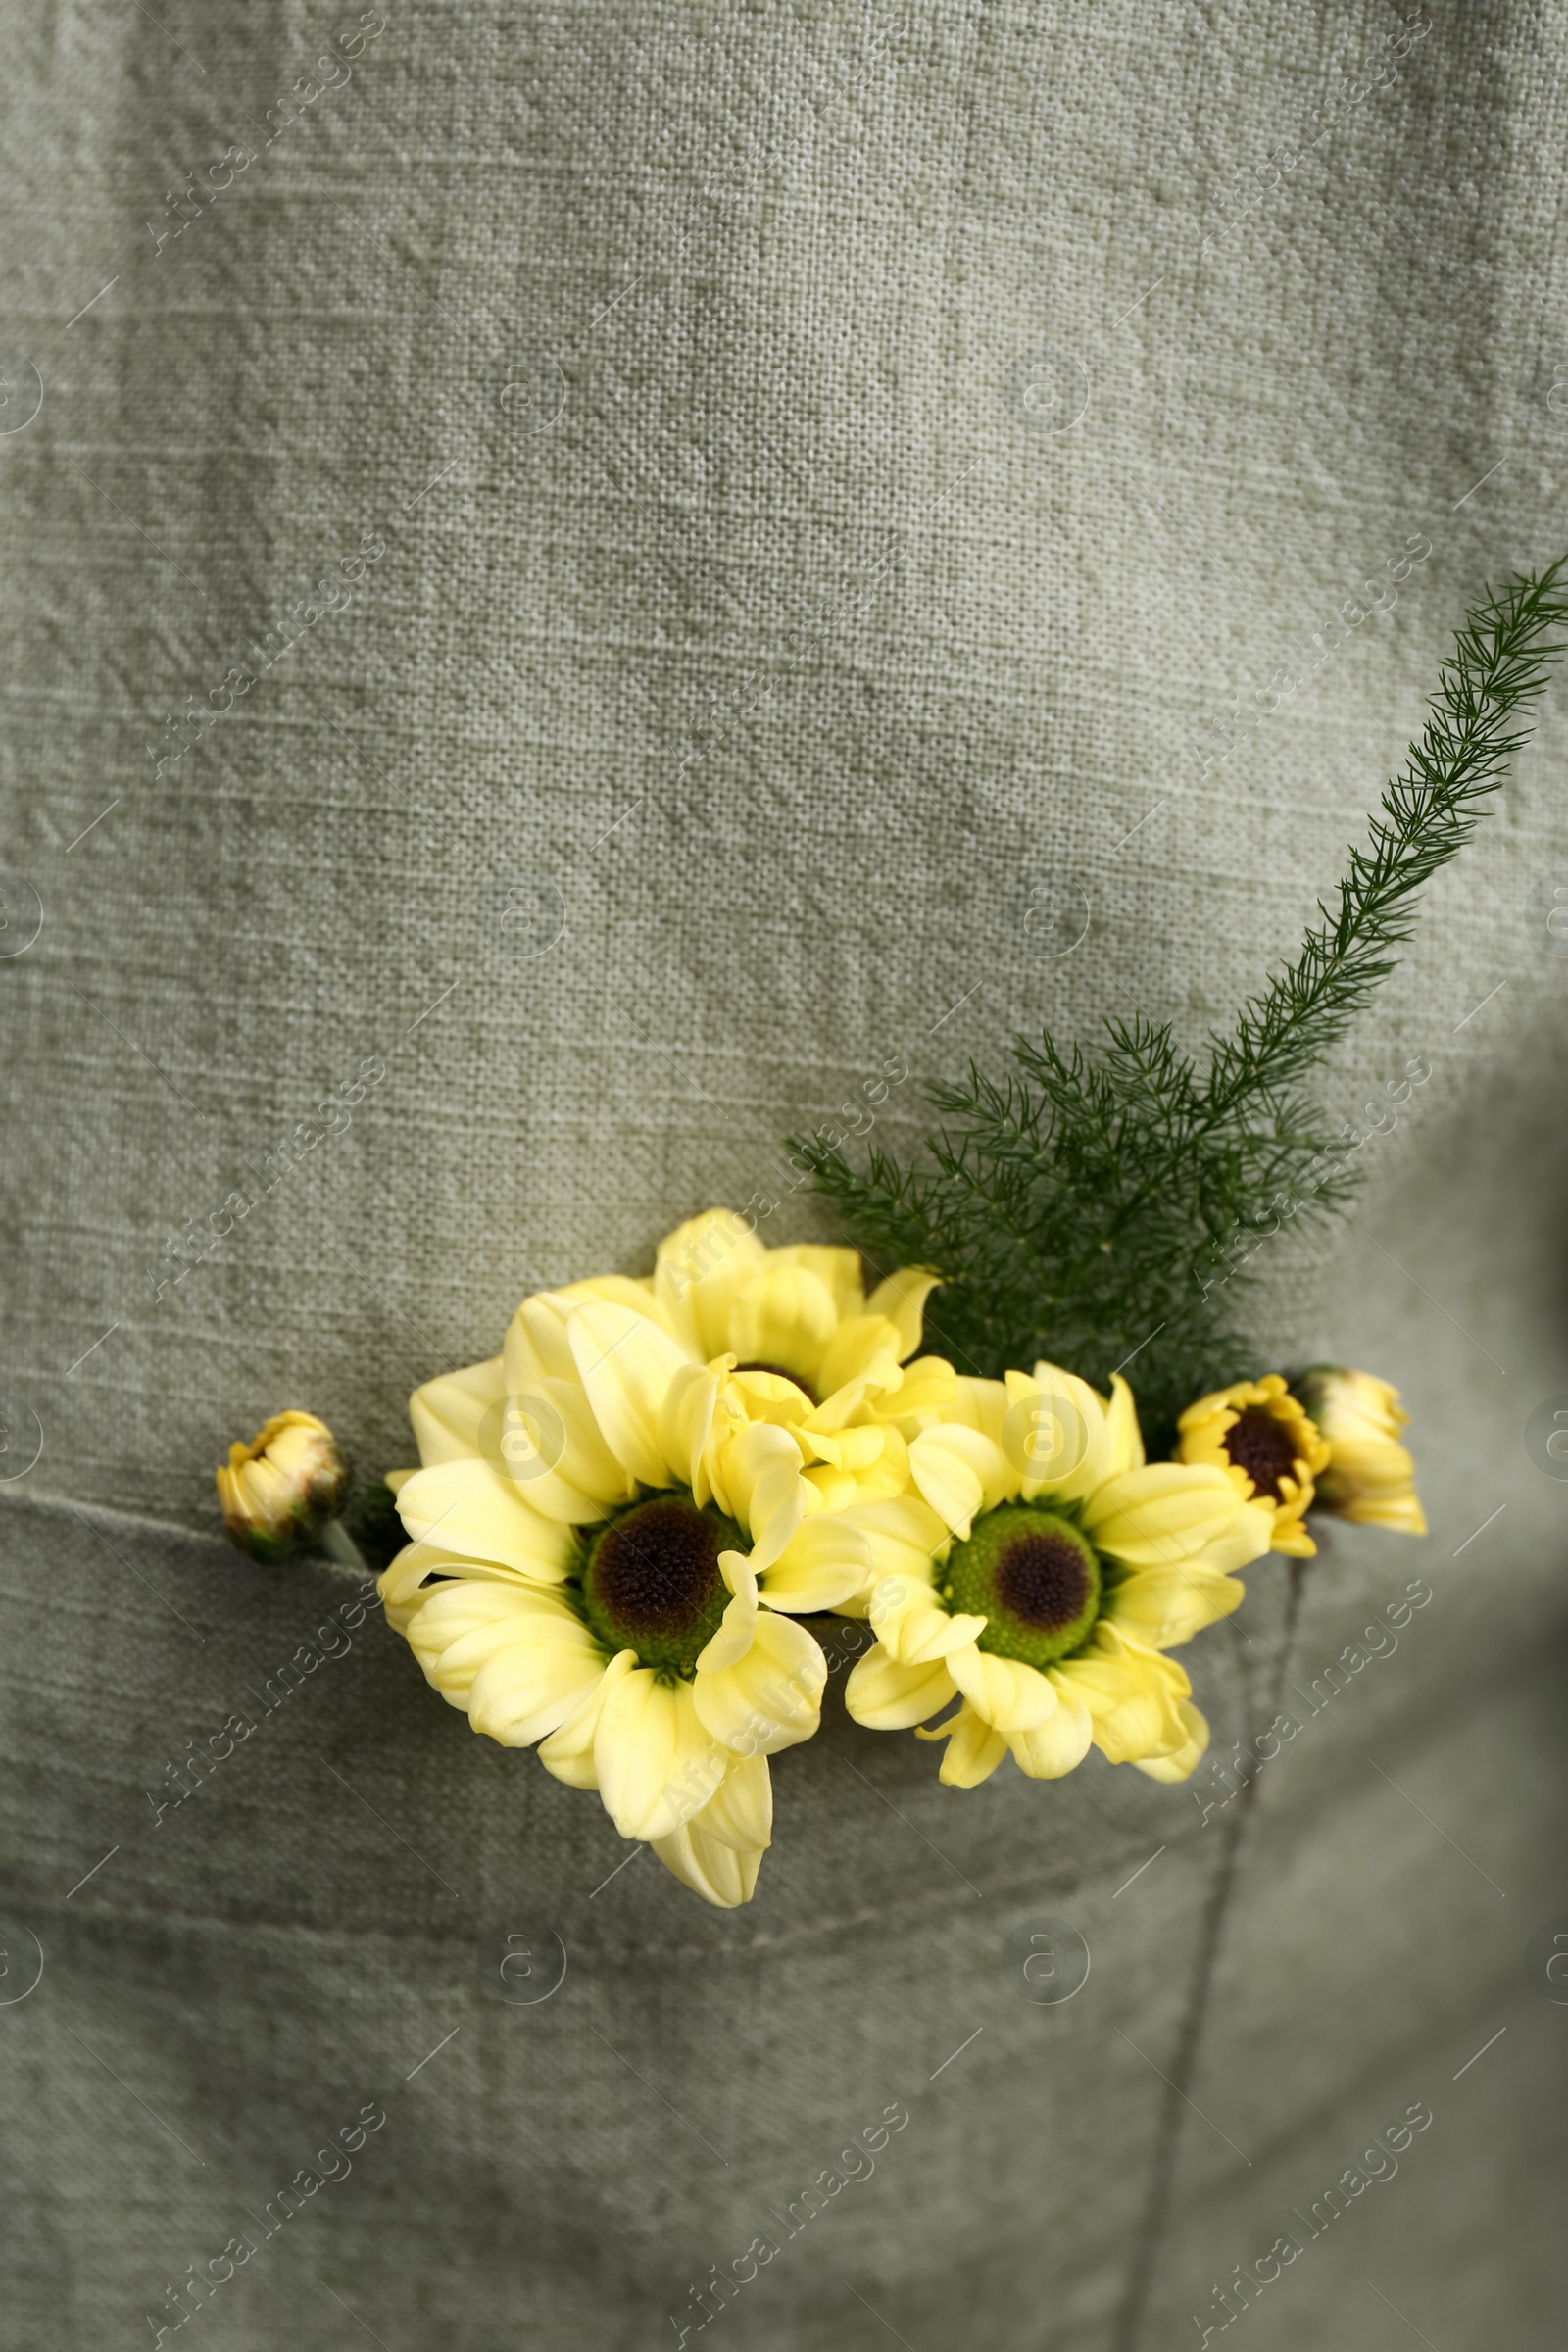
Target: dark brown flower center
point(1265, 1448)
point(651, 1580)
point(1043, 1580)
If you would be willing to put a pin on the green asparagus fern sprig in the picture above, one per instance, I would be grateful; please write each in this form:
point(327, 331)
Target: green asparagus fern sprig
point(1098, 1209)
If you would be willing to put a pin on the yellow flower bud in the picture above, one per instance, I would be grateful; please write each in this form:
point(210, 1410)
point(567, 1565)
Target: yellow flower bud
point(281, 1488)
point(1369, 1477)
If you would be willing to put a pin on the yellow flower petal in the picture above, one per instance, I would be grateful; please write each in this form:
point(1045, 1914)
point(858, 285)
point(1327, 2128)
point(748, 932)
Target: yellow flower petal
point(568, 1753)
point(852, 1449)
point(1113, 1642)
point(910, 1625)
point(975, 1748)
point(770, 1698)
point(401, 1584)
point(1166, 1606)
point(845, 1404)
point(518, 1662)
point(626, 1363)
point(1133, 1707)
point(468, 1508)
point(887, 1696)
point(459, 1624)
point(1163, 1513)
point(549, 1446)
point(1056, 1435)
point(1180, 1766)
point(528, 1688)
point(885, 1478)
point(982, 1404)
point(906, 1535)
point(740, 1575)
point(960, 1471)
point(406, 1582)
point(1126, 1438)
point(785, 1315)
point(826, 1561)
point(740, 1812)
point(718, 1852)
point(738, 1626)
point(1057, 1745)
point(862, 1346)
point(759, 1474)
point(835, 1490)
point(1246, 1539)
point(703, 1266)
point(901, 1298)
point(686, 1425)
point(929, 1386)
point(657, 1764)
point(771, 1397)
point(536, 1346)
point(447, 1412)
point(1009, 1694)
point(711, 1867)
point(836, 1268)
point(1401, 1513)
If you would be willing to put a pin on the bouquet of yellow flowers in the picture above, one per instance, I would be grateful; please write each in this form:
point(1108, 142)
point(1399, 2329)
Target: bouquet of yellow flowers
point(624, 1527)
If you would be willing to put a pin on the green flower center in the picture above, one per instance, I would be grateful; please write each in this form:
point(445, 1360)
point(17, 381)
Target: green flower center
point(651, 1580)
point(1035, 1578)
point(1265, 1448)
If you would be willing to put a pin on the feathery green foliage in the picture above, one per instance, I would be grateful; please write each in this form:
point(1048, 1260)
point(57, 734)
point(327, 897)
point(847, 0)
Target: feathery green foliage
point(1098, 1209)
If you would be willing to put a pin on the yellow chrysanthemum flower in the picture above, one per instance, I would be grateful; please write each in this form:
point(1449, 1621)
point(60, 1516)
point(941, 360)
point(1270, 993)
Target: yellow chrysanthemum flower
point(1369, 1476)
point(611, 1534)
point(1257, 1431)
point(1045, 1568)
